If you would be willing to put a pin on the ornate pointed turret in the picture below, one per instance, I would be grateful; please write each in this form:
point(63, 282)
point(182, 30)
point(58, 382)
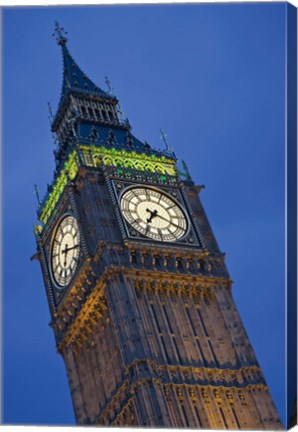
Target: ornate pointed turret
point(87, 114)
point(74, 79)
point(82, 104)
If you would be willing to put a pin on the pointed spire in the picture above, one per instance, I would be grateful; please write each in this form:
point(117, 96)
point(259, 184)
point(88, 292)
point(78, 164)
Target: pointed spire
point(185, 173)
point(164, 137)
point(60, 33)
point(74, 79)
point(37, 195)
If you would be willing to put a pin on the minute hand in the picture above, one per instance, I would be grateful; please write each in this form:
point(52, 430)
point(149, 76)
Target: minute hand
point(167, 220)
point(68, 249)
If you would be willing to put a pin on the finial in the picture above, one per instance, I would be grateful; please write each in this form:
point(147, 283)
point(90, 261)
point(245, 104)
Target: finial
point(186, 173)
point(60, 33)
point(163, 136)
point(51, 117)
point(37, 194)
point(120, 111)
point(112, 93)
point(109, 85)
point(50, 112)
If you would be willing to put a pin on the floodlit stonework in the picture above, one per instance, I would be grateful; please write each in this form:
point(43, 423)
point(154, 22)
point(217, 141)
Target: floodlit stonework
point(146, 324)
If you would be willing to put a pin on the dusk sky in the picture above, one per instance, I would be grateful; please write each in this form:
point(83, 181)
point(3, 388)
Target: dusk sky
point(213, 77)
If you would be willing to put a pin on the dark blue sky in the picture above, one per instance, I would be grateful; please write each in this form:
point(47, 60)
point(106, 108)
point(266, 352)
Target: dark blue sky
point(213, 77)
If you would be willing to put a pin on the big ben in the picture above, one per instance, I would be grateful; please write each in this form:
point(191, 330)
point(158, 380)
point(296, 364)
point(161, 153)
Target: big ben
point(140, 297)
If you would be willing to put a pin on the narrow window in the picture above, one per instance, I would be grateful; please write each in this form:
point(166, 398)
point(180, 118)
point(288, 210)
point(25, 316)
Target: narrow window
point(155, 318)
point(201, 352)
point(236, 418)
point(185, 416)
point(223, 417)
point(190, 321)
point(202, 322)
point(167, 318)
point(213, 353)
point(165, 350)
point(198, 416)
point(177, 350)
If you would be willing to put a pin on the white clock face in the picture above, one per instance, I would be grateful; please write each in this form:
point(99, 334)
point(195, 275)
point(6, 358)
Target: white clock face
point(65, 251)
point(153, 214)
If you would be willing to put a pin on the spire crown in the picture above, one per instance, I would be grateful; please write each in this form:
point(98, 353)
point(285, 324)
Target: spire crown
point(60, 33)
point(74, 79)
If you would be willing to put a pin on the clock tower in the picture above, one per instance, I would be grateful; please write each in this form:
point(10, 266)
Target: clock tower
point(139, 294)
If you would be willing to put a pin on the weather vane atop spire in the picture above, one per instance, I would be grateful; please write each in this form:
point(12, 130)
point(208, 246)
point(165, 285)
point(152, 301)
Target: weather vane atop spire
point(60, 33)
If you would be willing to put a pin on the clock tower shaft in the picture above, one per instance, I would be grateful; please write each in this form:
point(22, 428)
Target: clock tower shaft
point(146, 324)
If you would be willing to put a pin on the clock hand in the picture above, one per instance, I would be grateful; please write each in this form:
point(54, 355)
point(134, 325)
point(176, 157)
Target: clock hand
point(65, 250)
point(73, 247)
point(153, 214)
point(167, 220)
point(68, 249)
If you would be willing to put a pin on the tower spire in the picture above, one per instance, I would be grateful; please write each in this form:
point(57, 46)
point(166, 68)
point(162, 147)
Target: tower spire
point(74, 79)
point(60, 33)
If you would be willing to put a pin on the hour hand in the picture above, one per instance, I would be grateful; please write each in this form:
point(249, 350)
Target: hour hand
point(68, 249)
point(153, 214)
point(64, 251)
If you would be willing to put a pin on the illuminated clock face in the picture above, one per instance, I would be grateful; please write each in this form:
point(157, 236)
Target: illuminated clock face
point(65, 251)
point(153, 214)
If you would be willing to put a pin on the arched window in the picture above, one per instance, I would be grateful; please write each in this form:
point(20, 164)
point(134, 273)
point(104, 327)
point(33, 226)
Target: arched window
point(149, 167)
point(159, 168)
point(97, 162)
point(118, 162)
point(128, 163)
point(108, 161)
point(139, 165)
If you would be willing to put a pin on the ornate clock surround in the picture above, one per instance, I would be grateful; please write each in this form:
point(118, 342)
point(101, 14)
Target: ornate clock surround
point(64, 262)
point(119, 187)
point(66, 206)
